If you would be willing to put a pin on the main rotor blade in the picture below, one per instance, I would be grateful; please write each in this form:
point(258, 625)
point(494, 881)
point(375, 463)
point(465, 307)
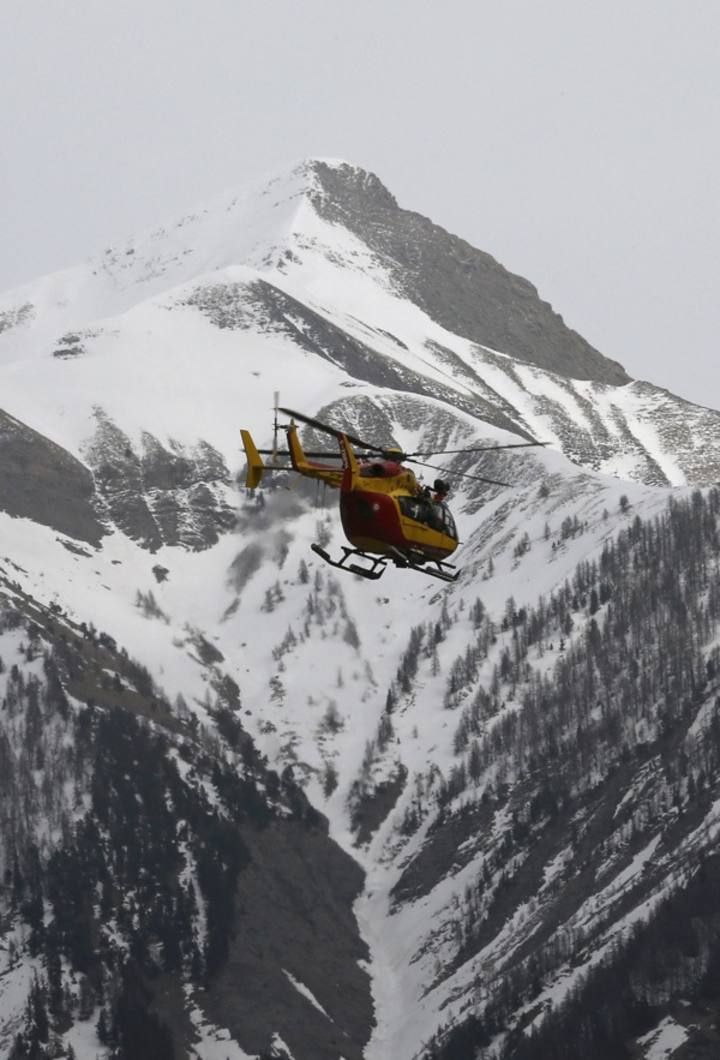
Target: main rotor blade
point(334, 455)
point(332, 431)
point(459, 474)
point(478, 449)
point(400, 456)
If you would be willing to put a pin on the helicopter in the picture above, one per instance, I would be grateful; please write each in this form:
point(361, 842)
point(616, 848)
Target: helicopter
point(387, 515)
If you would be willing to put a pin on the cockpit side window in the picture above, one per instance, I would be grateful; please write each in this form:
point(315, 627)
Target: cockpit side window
point(372, 470)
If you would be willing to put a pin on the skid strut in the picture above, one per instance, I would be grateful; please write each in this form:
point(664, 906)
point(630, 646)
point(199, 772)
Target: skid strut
point(375, 565)
point(375, 570)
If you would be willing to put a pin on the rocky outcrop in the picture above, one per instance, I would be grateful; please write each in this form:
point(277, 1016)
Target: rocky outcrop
point(16, 316)
point(40, 481)
point(160, 495)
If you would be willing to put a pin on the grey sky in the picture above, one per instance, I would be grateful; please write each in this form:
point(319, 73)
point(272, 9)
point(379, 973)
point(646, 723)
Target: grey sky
point(577, 141)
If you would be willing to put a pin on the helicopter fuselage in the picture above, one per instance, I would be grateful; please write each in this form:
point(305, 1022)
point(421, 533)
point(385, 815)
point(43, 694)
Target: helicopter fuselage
point(387, 515)
point(391, 513)
point(384, 510)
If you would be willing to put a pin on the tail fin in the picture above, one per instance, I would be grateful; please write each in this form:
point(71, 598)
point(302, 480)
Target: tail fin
point(255, 466)
point(350, 465)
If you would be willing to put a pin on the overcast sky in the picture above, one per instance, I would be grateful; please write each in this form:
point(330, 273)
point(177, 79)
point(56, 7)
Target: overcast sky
point(578, 141)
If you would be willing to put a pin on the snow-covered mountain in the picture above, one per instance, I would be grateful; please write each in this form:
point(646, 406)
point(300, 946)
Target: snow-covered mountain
point(212, 309)
point(255, 808)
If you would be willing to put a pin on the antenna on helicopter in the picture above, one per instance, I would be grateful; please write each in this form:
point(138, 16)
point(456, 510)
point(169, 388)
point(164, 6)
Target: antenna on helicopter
point(276, 399)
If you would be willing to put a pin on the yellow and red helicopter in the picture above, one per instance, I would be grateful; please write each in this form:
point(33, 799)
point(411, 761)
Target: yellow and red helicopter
point(386, 514)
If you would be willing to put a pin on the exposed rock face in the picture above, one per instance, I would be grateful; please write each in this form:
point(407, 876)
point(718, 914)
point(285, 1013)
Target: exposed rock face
point(156, 496)
point(16, 316)
point(464, 289)
point(39, 480)
point(160, 496)
point(295, 925)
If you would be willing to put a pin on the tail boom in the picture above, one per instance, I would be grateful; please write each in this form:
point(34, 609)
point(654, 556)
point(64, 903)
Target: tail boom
point(331, 476)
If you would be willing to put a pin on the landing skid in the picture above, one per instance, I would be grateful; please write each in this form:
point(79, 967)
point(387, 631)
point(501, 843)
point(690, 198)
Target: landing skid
point(377, 564)
point(375, 570)
point(446, 572)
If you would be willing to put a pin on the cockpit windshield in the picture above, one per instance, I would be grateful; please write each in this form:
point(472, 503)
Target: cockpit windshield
point(432, 513)
point(449, 522)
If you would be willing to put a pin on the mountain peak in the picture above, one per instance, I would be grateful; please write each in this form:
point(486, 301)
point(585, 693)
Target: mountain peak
point(254, 224)
point(338, 179)
point(316, 223)
point(459, 286)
